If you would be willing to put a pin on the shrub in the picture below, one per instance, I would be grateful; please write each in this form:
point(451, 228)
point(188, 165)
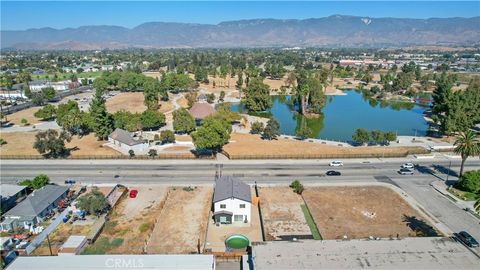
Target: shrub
point(143, 228)
point(2, 141)
point(257, 128)
point(25, 122)
point(470, 182)
point(297, 187)
point(167, 136)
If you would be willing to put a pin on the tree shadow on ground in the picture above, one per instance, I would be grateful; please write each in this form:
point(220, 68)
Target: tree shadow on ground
point(424, 169)
point(444, 170)
point(420, 227)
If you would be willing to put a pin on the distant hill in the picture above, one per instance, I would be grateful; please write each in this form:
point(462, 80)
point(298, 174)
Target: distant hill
point(332, 31)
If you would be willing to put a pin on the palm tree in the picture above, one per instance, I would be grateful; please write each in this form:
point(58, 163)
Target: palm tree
point(467, 144)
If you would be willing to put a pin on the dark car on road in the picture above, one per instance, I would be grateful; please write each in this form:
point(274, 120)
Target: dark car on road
point(69, 182)
point(333, 173)
point(466, 238)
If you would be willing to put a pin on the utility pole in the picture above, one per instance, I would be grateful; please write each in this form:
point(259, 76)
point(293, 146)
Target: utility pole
point(49, 245)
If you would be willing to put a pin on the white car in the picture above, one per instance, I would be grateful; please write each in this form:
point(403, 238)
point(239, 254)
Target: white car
point(407, 166)
point(336, 163)
point(405, 172)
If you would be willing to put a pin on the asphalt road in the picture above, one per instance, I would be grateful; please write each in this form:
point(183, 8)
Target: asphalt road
point(263, 172)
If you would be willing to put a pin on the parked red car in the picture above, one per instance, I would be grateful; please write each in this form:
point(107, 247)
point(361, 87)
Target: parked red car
point(133, 193)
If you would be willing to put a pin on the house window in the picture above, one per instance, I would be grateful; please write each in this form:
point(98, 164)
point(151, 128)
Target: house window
point(223, 206)
point(242, 205)
point(238, 218)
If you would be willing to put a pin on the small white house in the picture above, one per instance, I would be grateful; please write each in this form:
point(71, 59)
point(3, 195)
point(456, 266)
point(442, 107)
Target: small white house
point(232, 201)
point(126, 142)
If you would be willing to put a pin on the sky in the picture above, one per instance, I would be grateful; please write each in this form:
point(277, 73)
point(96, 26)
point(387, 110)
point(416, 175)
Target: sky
point(20, 15)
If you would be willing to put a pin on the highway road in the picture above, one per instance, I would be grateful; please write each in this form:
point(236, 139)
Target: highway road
point(197, 172)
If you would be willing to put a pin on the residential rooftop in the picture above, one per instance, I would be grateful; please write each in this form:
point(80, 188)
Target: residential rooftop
point(124, 136)
point(7, 190)
point(37, 201)
point(227, 187)
point(408, 253)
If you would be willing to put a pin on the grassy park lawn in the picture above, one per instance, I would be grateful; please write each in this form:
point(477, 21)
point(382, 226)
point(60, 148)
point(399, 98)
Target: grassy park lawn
point(66, 76)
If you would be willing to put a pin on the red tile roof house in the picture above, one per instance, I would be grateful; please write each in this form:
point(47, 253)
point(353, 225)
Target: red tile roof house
point(201, 110)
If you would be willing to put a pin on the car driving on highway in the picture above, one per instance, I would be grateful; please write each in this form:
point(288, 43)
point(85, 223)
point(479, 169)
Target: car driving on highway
point(333, 173)
point(336, 163)
point(409, 166)
point(405, 172)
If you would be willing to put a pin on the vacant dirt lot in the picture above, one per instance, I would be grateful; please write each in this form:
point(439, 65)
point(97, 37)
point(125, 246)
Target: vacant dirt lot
point(360, 212)
point(182, 222)
point(21, 143)
point(248, 145)
point(281, 212)
point(17, 117)
point(59, 236)
point(131, 222)
point(132, 102)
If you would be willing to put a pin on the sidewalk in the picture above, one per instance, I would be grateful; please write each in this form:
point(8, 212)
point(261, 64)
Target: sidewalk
point(441, 187)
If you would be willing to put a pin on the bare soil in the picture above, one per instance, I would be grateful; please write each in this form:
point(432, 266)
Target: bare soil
point(252, 145)
point(182, 223)
point(281, 213)
point(17, 117)
point(132, 102)
point(59, 236)
point(360, 212)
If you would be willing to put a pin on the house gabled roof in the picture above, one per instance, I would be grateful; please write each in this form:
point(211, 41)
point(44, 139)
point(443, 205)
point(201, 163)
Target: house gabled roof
point(124, 137)
point(201, 110)
point(227, 187)
point(38, 201)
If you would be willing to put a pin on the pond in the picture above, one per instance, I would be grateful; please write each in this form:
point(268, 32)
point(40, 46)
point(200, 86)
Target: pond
point(342, 115)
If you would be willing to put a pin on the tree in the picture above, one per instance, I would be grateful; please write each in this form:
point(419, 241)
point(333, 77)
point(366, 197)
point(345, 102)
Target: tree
point(151, 91)
point(102, 121)
point(48, 93)
point(222, 96)
point(239, 82)
point(152, 119)
point(152, 153)
point(183, 122)
point(377, 136)
point(70, 118)
point(476, 206)
point(390, 136)
point(467, 144)
point(309, 93)
point(224, 112)
point(50, 143)
point(210, 97)
point(191, 98)
point(304, 132)
point(257, 128)
point(46, 113)
point(93, 202)
point(212, 135)
point(131, 153)
point(167, 136)
point(38, 181)
point(297, 187)
point(257, 95)
point(271, 131)
point(24, 122)
point(361, 136)
point(469, 182)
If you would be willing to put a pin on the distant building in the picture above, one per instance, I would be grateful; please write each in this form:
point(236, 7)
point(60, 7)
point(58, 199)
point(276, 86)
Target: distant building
point(34, 208)
point(232, 201)
point(200, 110)
point(125, 140)
point(38, 85)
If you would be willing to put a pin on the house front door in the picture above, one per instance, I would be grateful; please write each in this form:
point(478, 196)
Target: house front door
point(223, 219)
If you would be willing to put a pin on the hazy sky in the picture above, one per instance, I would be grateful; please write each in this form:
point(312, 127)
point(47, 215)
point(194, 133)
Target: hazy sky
point(19, 15)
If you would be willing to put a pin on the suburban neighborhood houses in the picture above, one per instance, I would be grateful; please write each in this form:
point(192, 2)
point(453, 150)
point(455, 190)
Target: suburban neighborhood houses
point(239, 135)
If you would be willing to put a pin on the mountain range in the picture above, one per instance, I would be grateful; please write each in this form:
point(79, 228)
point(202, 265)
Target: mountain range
point(332, 31)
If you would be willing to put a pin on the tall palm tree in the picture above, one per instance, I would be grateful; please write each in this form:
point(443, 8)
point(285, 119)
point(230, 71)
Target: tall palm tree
point(467, 144)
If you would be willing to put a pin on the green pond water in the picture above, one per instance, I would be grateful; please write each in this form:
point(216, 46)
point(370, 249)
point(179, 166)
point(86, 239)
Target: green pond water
point(342, 115)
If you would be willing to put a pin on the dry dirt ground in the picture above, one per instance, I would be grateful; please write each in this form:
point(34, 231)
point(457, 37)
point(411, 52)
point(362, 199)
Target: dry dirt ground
point(360, 212)
point(281, 213)
point(182, 222)
point(217, 234)
point(133, 219)
point(17, 117)
point(132, 102)
point(59, 236)
point(252, 145)
point(21, 143)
